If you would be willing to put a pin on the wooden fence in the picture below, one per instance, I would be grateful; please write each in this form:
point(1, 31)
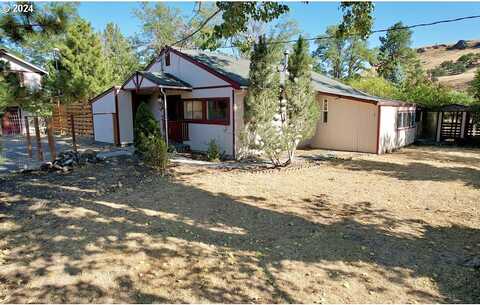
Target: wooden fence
point(83, 119)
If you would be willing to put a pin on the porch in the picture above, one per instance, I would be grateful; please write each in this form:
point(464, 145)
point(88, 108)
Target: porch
point(458, 124)
point(163, 94)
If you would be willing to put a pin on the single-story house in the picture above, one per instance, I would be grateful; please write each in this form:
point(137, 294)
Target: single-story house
point(203, 94)
point(30, 75)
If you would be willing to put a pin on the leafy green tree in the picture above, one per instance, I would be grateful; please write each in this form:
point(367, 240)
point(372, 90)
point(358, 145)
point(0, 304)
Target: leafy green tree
point(342, 56)
point(301, 108)
point(397, 61)
point(475, 85)
point(357, 18)
point(374, 85)
point(236, 17)
point(161, 26)
point(122, 60)
point(431, 94)
point(81, 67)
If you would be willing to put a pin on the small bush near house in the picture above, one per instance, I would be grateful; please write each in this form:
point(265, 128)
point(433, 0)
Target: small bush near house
point(213, 152)
point(156, 152)
point(145, 127)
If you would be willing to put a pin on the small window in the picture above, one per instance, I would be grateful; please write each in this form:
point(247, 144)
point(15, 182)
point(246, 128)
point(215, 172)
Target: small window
point(325, 111)
point(167, 58)
point(193, 110)
point(406, 119)
point(217, 110)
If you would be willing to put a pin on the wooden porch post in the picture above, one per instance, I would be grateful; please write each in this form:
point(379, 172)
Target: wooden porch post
point(29, 139)
point(39, 140)
point(51, 139)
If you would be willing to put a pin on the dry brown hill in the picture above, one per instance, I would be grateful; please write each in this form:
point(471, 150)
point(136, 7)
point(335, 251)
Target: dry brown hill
point(432, 56)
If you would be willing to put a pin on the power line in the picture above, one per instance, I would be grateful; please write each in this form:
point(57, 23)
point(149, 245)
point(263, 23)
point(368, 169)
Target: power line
point(377, 31)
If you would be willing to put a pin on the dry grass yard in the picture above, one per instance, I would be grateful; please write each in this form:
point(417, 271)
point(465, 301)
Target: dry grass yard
point(398, 228)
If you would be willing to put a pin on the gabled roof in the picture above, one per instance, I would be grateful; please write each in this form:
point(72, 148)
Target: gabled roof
point(37, 69)
point(237, 70)
point(165, 79)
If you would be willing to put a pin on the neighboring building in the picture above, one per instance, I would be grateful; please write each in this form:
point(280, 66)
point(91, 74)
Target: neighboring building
point(204, 95)
point(13, 117)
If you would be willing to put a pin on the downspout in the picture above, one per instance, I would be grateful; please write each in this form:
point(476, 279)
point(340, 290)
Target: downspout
point(165, 114)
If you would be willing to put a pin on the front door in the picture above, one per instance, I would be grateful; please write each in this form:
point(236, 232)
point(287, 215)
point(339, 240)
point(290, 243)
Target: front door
point(175, 118)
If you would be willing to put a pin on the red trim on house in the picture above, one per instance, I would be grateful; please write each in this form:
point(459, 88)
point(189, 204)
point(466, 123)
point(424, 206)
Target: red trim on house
point(204, 111)
point(117, 140)
point(349, 97)
point(373, 102)
point(233, 83)
point(378, 128)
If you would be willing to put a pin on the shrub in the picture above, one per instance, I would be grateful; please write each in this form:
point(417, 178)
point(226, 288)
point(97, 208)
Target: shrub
point(145, 127)
point(155, 152)
point(213, 152)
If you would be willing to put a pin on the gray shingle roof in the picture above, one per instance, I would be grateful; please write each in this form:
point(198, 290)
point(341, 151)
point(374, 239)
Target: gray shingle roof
point(237, 69)
point(165, 79)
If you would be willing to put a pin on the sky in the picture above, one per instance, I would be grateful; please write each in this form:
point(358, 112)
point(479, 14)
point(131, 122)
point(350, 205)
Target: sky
point(314, 17)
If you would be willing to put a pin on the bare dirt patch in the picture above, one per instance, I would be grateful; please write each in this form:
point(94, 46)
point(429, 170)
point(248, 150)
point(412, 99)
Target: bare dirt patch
point(397, 228)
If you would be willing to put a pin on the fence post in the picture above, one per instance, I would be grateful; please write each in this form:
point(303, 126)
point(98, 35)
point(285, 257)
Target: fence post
point(51, 139)
point(74, 139)
point(29, 139)
point(116, 139)
point(39, 140)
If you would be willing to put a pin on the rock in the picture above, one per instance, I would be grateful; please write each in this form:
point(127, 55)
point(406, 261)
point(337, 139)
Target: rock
point(46, 166)
point(460, 45)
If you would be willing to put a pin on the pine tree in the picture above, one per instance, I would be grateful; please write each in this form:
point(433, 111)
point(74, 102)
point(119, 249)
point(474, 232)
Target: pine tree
point(81, 67)
point(119, 53)
point(262, 104)
point(301, 108)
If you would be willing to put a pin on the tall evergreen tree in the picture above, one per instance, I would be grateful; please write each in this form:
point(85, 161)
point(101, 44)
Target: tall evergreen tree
point(397, 62)
point(81, 68)
point(121, 58)
point(301, 108)
point(262, 104)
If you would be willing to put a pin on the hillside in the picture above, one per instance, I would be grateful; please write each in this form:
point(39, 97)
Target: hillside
point(433, 56)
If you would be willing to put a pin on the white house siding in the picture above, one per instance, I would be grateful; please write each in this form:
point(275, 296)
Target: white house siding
point(351, 126)
point(201, 134)
point(125, 116)
point(392, 138)
point(188, 72)
point(103, 109)
point(31, 79)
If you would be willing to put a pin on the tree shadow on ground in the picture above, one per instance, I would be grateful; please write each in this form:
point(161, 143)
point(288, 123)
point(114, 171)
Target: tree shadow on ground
point(67, 226)
point(414, 171)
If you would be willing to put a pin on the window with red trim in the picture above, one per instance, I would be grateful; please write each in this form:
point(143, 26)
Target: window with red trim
point(207, 111)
